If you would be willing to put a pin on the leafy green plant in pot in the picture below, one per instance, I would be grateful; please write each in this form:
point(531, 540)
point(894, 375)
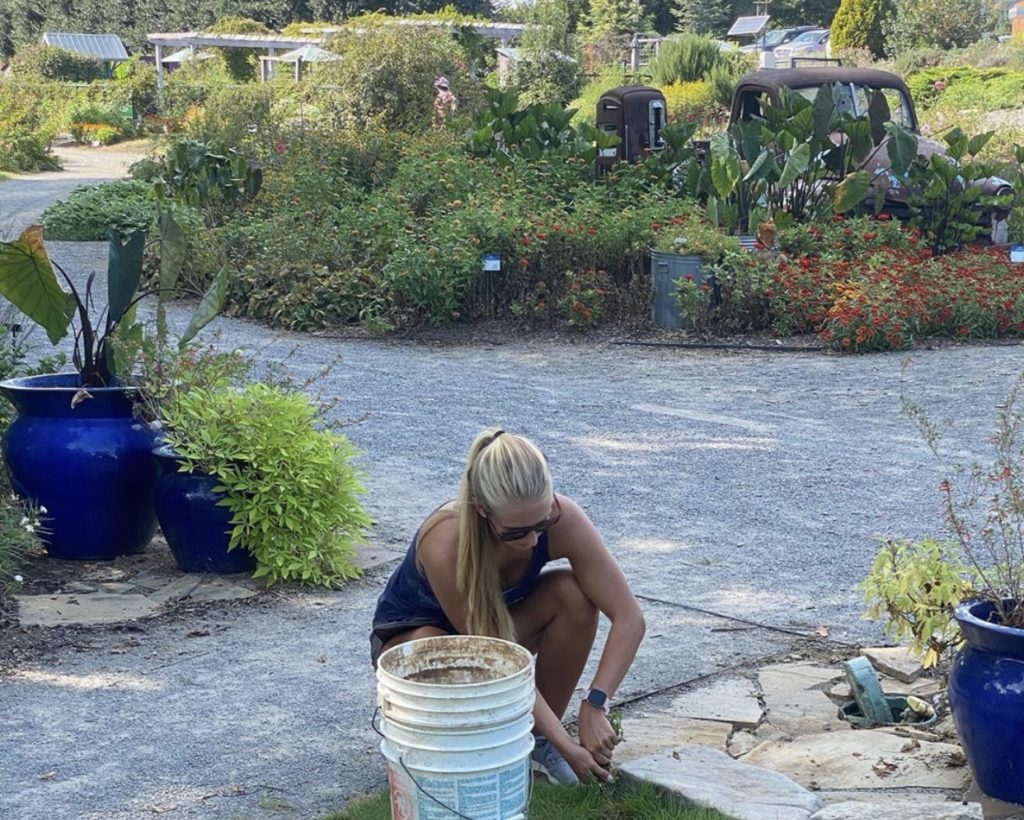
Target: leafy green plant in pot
point(976, 578)
point(288, 482)
point(77, 447)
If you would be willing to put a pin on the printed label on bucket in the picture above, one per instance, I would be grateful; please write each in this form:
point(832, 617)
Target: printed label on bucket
point(494, 795)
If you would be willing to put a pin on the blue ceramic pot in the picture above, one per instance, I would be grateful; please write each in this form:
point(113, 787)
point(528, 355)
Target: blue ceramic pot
point(986, 694)
point(196, 528)
point(89, 466)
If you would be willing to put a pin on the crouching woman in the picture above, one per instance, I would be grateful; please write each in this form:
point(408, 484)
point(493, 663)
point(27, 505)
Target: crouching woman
point(476, 566)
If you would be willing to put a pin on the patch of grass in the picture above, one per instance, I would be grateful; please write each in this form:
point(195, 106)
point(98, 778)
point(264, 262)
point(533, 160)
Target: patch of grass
point(619, 801)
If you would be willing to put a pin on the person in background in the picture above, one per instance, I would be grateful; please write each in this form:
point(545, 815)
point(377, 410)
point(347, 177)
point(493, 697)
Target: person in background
point(477, 566)
point(445, 102)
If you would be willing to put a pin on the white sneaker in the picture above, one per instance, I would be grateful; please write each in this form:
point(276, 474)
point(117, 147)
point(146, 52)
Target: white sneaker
point(547, 760)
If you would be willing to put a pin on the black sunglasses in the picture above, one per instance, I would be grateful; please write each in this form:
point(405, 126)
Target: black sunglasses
point(519, 533)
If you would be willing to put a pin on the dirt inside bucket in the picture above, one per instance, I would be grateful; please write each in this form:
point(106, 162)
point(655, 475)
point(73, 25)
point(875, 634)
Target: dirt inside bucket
point(454, 674)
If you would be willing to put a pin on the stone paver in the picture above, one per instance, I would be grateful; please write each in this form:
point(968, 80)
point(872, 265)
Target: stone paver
point(714, 780)
point(795, 702)
point(895, 808)
point(896, 661)
point(656, 732)
point(862, 760)
point(733, 700)
point(91, 609)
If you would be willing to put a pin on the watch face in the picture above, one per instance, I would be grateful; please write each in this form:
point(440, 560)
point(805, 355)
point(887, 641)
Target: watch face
point(596, 697)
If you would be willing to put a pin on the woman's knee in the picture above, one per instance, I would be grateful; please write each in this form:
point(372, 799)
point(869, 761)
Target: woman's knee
point(570, 600)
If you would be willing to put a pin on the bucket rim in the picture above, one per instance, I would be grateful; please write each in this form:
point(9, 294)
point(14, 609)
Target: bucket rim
point(409, 648)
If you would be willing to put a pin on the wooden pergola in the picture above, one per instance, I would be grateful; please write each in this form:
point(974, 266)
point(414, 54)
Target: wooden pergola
point(271, 43)
point(197, 39)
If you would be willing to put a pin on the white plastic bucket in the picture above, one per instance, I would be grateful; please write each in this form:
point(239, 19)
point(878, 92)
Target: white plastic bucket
point(457, 719)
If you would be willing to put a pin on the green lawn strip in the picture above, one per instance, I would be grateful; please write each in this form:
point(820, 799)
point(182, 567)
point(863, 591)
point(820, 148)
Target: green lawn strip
point(620, 801)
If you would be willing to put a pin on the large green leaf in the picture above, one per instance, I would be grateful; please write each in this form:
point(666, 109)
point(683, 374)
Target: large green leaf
point(796, 163)
point(979, 141)
point(725, 172)
point(859, 144)
point(851, 191)
point(902, 148)
point(28, 281)
point(124, 272)
point(172, 251)
point(209, 306)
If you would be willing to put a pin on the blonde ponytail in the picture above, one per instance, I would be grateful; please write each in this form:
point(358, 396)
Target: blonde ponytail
point(501, 470)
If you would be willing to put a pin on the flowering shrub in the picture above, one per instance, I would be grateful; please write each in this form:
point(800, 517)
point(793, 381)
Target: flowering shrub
point(582, 306)
point(692, 234)
point(859, 294)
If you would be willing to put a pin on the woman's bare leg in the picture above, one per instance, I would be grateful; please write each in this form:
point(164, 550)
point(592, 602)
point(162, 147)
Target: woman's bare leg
point(559, 623)
point(413, 634)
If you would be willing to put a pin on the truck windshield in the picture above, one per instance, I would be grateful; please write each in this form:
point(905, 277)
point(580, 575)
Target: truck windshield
point(854, 99)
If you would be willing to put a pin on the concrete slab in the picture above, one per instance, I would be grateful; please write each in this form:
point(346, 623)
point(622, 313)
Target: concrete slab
point(181, 587)
point(864, 760)
point(218, 589)
point(368, 557)
point(994, 809)
point(793, 704)
point(896, 662)
point(733, 700)
point(714, 780)
point(655, 732)
point(94, 608)
point(901, 809)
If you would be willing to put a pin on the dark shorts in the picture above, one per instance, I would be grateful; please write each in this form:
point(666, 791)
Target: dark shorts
point(382, 633)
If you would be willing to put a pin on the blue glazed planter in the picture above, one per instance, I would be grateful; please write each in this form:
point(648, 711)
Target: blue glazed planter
point(986, 695)
point(196, 528)
point(89, 466)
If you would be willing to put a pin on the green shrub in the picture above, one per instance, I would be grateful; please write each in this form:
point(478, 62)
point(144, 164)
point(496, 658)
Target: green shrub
point(88, 211)
point(939, 23)
point(27, 126)
point(386, 75)
point(689, 101)
point(53, 63)
point(965, 87)
point(858, 24)
point(291, 485)
point(685, 58)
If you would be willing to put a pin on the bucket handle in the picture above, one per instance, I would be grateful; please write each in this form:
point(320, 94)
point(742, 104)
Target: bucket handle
point(412, 777)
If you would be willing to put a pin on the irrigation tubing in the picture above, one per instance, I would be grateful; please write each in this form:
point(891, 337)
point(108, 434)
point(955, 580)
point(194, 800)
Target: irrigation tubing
point(725, 346)
point(759, 625)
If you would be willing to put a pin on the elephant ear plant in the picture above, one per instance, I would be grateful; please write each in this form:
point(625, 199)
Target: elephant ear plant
point(107, 339)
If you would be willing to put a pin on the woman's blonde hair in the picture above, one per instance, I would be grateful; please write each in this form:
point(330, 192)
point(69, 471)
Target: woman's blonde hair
point(501, 470)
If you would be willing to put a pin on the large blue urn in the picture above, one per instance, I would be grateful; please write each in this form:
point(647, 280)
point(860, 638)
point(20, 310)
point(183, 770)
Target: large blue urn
point(85, 457)
point(986, 695)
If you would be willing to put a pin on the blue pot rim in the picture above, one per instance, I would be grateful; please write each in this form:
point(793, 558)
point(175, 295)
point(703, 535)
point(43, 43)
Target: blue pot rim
point(969, 613)
point(46, 383)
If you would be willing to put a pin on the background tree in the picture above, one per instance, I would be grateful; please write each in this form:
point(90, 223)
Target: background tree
point(803, 12)
point(549, 68)
point(240, 62)
point(703, 16)
point(859, 24)
point(937, 23)
point(608, 18)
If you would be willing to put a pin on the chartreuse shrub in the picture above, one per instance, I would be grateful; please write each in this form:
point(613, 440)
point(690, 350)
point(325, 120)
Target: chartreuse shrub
point(915, 586)
point(685, 58)
point(290, 482)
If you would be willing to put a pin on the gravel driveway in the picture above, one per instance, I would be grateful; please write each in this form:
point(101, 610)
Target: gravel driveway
point(745, 483)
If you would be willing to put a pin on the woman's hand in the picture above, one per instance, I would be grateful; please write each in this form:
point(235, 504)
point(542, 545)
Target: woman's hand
point(596, 734)
point(586, 765)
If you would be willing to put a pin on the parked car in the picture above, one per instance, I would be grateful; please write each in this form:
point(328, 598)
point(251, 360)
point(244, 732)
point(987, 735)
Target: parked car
point(857, 88)
point(813, 43)
point(771, 40)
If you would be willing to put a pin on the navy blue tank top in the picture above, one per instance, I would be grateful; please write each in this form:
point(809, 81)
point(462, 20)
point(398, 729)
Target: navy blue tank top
point(408, 599)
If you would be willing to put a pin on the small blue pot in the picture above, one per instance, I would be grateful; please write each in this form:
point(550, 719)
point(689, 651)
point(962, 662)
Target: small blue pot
point(89, 466)
point(196, 528)
point(986, 695)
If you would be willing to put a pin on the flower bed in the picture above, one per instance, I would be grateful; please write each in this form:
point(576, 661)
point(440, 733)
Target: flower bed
point(874, 286)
